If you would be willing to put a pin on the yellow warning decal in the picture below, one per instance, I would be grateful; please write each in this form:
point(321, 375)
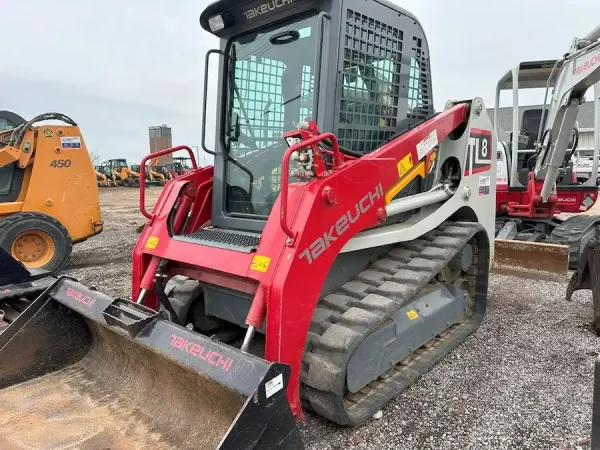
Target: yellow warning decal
point(260, 263)
point(152, 242)
point(405, 165)
point(412, 314)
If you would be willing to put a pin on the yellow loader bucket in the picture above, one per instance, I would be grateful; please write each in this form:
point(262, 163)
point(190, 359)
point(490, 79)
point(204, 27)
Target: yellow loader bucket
point(531, 260)
point(81, 370)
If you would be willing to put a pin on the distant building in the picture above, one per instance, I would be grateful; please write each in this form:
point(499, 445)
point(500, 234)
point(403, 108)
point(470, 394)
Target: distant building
point(585, 118)
point(160, 138)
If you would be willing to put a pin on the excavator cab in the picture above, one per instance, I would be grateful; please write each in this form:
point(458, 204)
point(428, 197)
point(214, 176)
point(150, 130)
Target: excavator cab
point(339, 247)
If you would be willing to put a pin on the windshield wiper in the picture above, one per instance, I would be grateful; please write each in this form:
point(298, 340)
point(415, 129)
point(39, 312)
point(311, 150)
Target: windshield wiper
point(236, 126)
point(233, 129)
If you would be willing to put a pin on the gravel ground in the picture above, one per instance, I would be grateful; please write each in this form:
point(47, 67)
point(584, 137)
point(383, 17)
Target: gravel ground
point(523, 380)
point(104, 261)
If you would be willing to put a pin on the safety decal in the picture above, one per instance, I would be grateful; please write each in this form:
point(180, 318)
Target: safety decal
point(427, 144)
point(152, 242)
point(70, 142)
point(405, 165)
point(479, 152)
point(412, 314)
point(432, 158)
point(273, 386)
point(260, 263)
point(484, 185)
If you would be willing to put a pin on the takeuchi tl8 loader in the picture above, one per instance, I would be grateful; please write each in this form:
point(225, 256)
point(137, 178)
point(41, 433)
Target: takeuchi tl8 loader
point(337, 250)
point(535, 180)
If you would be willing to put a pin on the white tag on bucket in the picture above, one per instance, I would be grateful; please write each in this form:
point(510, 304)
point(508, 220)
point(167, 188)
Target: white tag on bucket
point(274, 385)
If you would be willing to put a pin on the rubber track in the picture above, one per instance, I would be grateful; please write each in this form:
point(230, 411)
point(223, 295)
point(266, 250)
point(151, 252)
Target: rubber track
point(342, 320)
point(570, 233)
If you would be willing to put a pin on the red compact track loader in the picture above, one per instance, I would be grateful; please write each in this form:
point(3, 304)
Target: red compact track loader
point(319, 268)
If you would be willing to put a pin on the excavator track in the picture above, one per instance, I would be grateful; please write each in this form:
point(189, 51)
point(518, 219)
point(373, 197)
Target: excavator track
point(345, 319)
point(575, 232)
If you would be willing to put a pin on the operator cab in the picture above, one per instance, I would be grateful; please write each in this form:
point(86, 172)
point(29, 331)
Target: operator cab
point(104, 170)
point(285, 62)
point(11, 177)
point(116, 164)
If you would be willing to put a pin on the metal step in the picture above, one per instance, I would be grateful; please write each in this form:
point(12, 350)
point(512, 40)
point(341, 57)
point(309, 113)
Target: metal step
point(240, 241)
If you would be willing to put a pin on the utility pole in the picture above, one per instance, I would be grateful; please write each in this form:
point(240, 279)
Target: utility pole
point(197, 155)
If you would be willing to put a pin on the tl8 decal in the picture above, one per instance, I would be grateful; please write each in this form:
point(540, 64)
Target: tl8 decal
point(479, 152)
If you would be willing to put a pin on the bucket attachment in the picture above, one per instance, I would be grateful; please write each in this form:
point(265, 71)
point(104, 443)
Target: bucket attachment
point(531, 260)
point(587, 277)
point(79, 369)
point(18, 287)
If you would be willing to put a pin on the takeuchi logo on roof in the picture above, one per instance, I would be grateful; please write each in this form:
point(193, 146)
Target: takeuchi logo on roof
point(266, 7)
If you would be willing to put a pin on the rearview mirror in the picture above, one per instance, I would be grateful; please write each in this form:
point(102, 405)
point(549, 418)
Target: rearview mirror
point(234, 127)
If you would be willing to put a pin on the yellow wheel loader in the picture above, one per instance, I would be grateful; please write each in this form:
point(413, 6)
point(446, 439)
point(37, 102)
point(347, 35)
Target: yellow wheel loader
point(124, 175)
point(105, 177)
point(48, 191)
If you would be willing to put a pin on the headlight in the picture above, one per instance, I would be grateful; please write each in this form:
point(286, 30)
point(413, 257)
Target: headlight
point(216, 23)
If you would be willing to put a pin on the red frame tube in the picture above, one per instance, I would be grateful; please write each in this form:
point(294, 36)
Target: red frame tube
point(285, 172)
point(143, 172)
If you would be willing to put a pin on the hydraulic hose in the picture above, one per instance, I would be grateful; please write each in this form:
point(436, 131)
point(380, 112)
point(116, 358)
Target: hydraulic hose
point(162, 297)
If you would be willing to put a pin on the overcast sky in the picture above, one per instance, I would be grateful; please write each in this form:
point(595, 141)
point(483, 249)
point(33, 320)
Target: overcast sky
point(117, 70)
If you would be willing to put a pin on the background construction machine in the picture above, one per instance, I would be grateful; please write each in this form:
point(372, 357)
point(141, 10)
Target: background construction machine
point(179, 166)
point(535, 177)
point(48, 192)
point(182, 163)
point(153, 173)
point(349, 281)
point(105, 177)
point(125, 175)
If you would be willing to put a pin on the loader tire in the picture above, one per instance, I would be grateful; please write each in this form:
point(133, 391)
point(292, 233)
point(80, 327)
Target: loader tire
point(36, 240)
point(136, 182)
point(127, 182)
